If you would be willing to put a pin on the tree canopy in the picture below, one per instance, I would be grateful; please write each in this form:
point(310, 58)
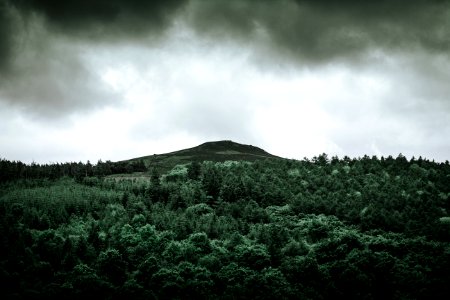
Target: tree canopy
point(311, 229)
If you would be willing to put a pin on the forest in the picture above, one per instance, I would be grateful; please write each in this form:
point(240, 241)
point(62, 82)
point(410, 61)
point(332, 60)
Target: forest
point(320, 228)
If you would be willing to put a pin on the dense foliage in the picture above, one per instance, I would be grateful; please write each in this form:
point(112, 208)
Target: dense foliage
point(363, 228)
point(14, 170)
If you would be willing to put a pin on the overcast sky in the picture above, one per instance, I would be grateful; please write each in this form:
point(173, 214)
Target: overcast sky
point(116, 79)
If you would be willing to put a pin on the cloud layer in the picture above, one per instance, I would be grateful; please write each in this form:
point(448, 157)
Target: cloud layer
point(377, 71)
point(41, 40)
point(321, 31)
point(313, 31)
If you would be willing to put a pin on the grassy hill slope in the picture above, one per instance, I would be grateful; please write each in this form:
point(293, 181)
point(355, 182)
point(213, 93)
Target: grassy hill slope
point(217, 151)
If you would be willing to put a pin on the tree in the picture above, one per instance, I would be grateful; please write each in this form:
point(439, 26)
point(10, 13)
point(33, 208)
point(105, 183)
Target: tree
point(154, 191)
point(194, 170)
point(168, 283)
point(112, 266)
point(86, 283)
point(212, 181)
point(197, 283)
point(255, 256)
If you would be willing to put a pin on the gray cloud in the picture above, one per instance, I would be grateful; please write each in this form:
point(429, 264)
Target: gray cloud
point(45, 76)
point(199, 110)
point(5, 35)
point(322, 31)
point(309, 30)
point(52, 87)
point(42, 42)
point(212, 115)
point(409, 115)
point(44, 73)
point(104, 16)
point(427, 80)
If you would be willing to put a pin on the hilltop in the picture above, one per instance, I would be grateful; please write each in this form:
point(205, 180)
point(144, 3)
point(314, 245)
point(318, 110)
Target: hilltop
point(217, 151)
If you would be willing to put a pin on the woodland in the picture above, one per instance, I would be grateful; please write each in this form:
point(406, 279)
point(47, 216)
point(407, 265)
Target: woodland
point(320, 228)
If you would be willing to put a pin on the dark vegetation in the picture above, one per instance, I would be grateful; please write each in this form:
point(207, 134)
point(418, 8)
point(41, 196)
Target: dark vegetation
point(218, 151)
point(366, 228)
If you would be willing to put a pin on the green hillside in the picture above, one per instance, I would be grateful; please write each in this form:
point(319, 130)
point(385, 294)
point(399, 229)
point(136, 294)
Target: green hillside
point(325, 228)
point(218, 151)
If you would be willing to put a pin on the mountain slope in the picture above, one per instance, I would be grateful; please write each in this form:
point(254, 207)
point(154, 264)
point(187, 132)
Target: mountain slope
point(217, 151)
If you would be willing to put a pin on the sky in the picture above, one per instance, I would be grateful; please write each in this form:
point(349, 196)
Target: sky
point(117, 79)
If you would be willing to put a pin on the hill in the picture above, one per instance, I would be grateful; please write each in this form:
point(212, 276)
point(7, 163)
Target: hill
point(217, 151)
point(292, 229)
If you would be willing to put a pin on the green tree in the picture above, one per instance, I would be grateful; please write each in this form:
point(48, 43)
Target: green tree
point(194, 170)
point(253, 256)
point(112, 266)
point(212, 181)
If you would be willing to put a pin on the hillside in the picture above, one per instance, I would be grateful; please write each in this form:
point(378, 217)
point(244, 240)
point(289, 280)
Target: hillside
point(217, 151)
point(367, 228)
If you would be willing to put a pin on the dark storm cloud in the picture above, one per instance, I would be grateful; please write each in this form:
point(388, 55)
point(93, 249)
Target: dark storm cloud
point(320, 31)
point(5, 35)
point(51, 85)
point(104, 16)
point(43, 75)
point(298, 32)
point(42, 69)
point(313, 30)
point(89, 19)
